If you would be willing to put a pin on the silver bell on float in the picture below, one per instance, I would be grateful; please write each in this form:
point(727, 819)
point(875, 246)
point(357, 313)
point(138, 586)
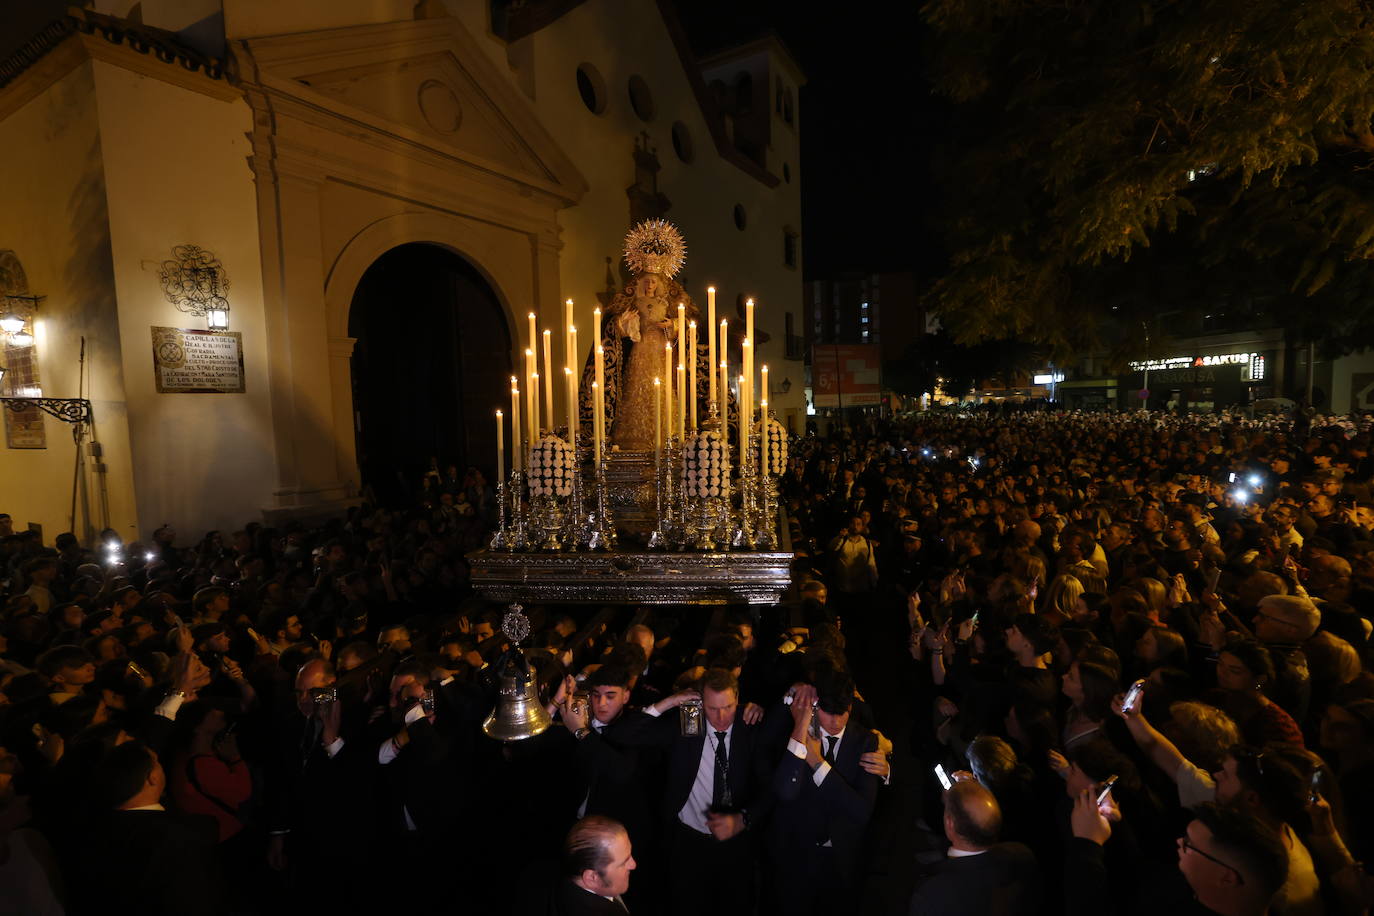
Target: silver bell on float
point(518, 714)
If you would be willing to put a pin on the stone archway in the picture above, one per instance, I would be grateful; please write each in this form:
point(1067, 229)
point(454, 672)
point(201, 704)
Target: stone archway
point(502, 258)
point(429, 367)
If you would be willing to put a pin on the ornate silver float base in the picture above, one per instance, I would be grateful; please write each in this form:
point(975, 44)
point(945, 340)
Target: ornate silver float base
point(623, 577)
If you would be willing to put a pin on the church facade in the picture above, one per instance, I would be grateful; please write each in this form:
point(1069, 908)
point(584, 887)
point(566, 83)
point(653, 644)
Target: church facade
point(295, 149)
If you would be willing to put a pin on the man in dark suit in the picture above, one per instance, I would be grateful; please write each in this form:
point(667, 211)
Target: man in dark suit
point(610, 781)
point(597, 861)
point(719, 790)
point(317, 764)
point(138, 857)
point(979, 876)
point(825, 799)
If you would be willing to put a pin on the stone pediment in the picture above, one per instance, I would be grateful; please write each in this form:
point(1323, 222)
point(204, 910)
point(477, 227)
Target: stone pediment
point(430, 79)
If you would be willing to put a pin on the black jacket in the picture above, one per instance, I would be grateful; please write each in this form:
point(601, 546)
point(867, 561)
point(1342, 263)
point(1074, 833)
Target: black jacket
point(149, 862)
point(837, 810)
point(1000, 882)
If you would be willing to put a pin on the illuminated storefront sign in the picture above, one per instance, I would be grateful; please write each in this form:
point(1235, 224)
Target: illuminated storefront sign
point(1252, 364)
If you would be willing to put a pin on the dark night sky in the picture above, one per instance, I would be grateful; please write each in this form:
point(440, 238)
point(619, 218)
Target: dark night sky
point(867, 120)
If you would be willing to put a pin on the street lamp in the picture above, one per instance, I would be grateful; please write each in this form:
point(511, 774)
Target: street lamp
point(217, 319)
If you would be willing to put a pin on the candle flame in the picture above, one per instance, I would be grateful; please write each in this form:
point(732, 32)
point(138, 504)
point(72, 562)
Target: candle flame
point(547, 332)
point(656, 380)
point(710, 289)
point(691, 324)
point(749, 302)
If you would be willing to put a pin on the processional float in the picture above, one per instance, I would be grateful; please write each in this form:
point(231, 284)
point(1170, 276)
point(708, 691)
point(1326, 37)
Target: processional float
point(661, 487)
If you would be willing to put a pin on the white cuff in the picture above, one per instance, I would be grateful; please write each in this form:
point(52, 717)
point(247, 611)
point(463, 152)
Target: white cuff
point(169, 706)
point(415, 713)
point(822, 771)
point(796, 748)
point(653, 710)
point(446, 681)
point(387, 752)
point(333, 747)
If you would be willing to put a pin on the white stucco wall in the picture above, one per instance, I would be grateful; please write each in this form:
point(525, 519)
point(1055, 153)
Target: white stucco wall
point(177, 173)
point(54, 219)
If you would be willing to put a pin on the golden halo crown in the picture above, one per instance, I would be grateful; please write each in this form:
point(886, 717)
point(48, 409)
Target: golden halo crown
point(655, 246)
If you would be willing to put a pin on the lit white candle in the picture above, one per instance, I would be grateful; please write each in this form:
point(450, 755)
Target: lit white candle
point(749, 354)
point(569, 342)
point(570, 383)
point(763, 415)
point(658, 420)
point(743, 427)
point(532, 418)
point(574, 365)
point(681, 402)
point(746, 389)
point(724, 372)
point(534, 410)
point(668, 388)
point(724, 396)
point(596, 423)
point(517, 454)
point(763, 440)
point(711, 342)
point(692, 371)
point(500, 449)
point(600, 398)
point(549, 376)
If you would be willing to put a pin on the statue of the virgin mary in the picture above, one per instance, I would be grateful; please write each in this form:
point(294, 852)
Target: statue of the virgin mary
point(639, 322)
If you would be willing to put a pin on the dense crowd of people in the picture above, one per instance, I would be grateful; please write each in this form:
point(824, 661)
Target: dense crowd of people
point(1030, 664)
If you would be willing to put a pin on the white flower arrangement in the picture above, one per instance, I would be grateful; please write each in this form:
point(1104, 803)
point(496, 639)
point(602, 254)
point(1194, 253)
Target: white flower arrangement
point(777, 447)
point(551, 468)
point(703, 464)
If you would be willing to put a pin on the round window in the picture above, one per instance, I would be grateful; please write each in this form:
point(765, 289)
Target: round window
point(682, 141)
point(741, 218)
point(641, 99)
point(592, 88)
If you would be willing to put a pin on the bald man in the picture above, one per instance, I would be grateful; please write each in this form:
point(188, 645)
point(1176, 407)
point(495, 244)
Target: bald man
point(318, 813)
point(978, 875)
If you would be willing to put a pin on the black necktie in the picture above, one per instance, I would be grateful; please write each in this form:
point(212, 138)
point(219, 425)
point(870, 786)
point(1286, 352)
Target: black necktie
point(720, 791)
point(830, 749)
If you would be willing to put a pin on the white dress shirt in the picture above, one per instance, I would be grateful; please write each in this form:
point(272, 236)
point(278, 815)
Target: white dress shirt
point(693, 814)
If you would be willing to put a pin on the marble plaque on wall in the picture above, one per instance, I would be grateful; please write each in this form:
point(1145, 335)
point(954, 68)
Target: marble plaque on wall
point(188, 361)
